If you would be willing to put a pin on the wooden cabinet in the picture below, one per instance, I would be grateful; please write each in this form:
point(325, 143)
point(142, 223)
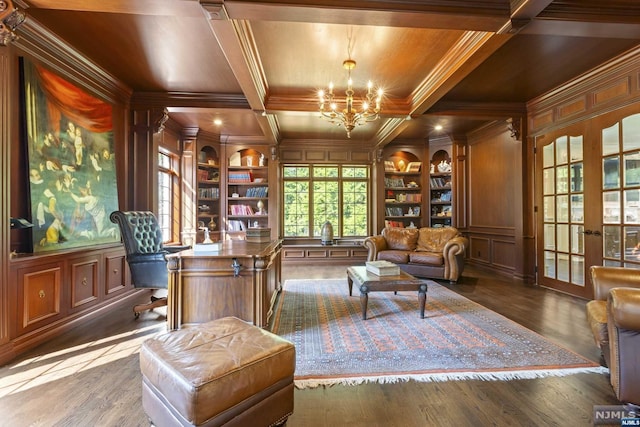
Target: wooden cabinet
point(343, 253)
point(208, 187)
point(51, 291)
point(403, 188)
point(247, 191)
point(440, 190)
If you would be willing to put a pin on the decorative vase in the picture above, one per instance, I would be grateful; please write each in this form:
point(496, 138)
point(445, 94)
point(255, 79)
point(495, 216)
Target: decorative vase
point(326, 234)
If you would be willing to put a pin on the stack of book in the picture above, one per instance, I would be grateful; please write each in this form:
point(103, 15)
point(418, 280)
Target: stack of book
point(258, 235)
point(382, 268)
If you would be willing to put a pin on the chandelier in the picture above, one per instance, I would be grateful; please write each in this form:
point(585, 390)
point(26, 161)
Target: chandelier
point(351, 115)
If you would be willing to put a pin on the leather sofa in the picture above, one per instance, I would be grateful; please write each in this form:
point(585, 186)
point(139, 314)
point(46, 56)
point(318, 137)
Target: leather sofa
point(614, 318)
point(436, 253)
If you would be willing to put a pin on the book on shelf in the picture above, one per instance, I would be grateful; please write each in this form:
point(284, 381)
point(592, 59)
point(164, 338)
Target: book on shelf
point(236, 225)
point(394, 182)
point(382, 268)
point(242, 210)
point(257, 192)
point(209, 193)
point(440, 182)
point(239, 177)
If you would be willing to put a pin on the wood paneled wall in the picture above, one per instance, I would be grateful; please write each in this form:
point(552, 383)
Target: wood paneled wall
point(493, 196)
point(613, 86)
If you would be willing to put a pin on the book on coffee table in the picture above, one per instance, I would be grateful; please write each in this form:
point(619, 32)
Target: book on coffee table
point(382, 268)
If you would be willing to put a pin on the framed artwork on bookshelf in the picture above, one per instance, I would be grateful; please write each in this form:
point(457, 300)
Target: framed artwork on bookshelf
point(414, 166)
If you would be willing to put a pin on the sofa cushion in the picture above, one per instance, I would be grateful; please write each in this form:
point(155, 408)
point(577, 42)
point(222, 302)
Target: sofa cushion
point(426, 258)
point(401, 239)
point(434, 239)
point(396, 257)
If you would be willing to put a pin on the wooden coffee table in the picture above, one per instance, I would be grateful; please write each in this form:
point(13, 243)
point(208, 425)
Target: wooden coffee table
point(369, 282)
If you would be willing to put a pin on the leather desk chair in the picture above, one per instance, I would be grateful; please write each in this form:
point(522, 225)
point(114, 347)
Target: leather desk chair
point(145, 253)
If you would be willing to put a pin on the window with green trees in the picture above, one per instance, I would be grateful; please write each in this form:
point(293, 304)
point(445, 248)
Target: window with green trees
point(314, 194)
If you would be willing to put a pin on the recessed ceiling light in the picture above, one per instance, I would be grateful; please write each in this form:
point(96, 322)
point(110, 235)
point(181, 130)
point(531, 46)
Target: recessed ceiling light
point(438, 127)
point(217, 122)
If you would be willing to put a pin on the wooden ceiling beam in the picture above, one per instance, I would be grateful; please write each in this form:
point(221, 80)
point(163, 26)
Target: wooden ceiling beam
point(186, 8)
point(478, 110)
point(488, 15)
point(612, 30)
point(618, 19)
point(236, 40)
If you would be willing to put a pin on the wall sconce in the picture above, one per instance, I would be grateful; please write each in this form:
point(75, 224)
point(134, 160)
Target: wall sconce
point(20, 223)
point(10, 19)
point(379, 155)
point(274, 153)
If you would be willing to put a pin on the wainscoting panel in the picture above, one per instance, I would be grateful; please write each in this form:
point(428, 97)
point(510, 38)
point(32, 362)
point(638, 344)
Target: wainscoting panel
point(480, 249)
point(503, 254)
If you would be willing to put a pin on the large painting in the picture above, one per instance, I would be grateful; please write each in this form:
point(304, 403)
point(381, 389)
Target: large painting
point(72, 176)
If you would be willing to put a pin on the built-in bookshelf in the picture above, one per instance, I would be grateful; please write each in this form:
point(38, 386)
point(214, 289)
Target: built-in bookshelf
point(208, 188)
point(247, 192)
point(440, 190)
point(403, 190)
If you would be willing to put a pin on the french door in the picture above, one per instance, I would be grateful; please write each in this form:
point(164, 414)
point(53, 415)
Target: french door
point(588, 198)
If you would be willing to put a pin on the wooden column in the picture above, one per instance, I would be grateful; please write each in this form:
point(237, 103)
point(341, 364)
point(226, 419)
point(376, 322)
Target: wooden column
point(6, 130)
point(143, 164)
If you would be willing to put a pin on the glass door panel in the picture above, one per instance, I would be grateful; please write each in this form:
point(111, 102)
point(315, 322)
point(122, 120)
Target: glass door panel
point(621, 192)
point(563, 211)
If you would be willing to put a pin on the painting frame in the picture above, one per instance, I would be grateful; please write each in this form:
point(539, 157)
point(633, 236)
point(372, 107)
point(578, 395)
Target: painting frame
point(70, 157)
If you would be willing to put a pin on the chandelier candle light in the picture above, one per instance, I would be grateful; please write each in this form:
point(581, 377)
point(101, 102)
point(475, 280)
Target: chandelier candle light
point(350, 117)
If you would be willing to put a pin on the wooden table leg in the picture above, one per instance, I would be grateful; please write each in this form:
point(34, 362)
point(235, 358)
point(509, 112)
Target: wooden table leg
point(422, 299)
point(350, 282)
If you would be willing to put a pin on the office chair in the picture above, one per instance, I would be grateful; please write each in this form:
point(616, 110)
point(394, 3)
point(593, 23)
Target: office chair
point(142, 240)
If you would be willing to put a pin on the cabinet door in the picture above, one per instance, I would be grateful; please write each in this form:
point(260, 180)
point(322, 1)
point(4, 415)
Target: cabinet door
point(84, 282)
point(115, 274)
point(39, 296)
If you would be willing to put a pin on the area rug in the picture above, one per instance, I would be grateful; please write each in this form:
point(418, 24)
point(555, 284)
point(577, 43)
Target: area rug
point(458, 338)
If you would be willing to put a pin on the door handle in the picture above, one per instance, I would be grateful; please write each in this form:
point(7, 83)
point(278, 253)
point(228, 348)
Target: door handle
point(597, 233)
point(587, 232)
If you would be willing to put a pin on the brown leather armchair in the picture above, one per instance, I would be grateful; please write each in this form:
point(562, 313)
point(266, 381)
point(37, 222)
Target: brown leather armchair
point(614, 318)
point(623, 322)
point(604, 279)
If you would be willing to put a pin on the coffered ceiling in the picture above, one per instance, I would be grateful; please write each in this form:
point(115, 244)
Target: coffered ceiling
point(257, 65)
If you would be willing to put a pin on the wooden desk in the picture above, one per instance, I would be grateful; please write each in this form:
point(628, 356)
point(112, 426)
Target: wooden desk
point(203, 286)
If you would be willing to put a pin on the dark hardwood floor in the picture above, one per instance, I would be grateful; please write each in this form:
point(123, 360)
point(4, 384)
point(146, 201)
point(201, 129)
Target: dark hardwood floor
point(90, 375)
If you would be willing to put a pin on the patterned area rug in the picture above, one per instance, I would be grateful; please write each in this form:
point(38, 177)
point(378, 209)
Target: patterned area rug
point(457, 339)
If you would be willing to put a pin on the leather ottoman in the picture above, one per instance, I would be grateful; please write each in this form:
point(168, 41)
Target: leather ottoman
point(224, 372)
